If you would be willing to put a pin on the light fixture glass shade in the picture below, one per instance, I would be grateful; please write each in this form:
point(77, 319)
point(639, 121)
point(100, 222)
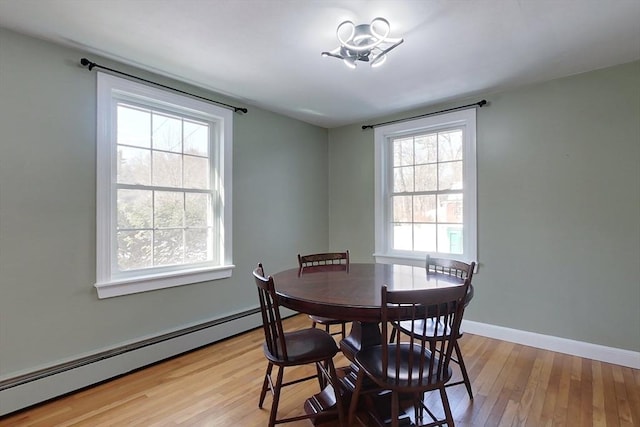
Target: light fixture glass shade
point(364, 42)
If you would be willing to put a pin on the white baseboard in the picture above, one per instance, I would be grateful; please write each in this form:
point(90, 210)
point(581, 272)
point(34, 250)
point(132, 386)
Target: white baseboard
point(16, 395)
point(602, 353)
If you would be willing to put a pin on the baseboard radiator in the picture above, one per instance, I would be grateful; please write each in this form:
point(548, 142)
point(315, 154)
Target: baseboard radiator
point(34, 387)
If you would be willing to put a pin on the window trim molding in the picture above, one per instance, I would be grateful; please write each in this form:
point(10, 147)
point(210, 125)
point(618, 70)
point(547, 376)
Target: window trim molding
point(382, 159)
point(109, 87)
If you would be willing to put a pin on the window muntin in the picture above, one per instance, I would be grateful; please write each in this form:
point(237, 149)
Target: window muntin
point(164, 181)
point(164, 196)
point(426, 195)
point(426, 189)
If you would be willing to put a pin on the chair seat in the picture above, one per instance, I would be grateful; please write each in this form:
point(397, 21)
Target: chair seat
point(370, 359)
point(325, 320)
point(305, 346)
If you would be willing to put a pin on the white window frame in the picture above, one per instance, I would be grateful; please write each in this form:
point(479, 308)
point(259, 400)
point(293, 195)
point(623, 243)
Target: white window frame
point(465, 119)
point(109, 281)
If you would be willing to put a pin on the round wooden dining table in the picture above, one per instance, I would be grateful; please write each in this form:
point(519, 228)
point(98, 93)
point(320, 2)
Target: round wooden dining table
point(351, 293)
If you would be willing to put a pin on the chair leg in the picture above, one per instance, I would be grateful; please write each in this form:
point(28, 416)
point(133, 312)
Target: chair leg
point(463, 369)
point(354, 397)
point(445, 405)
point(265, 384)
point(336, 390)
point(418, 410)
point(276, 397)
point(344, 330)
point(395, 409)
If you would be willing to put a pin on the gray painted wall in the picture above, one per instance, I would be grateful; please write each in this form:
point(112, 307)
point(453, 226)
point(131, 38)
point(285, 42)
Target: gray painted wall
point(558, 205)
point(49, 311)
point(559, 209)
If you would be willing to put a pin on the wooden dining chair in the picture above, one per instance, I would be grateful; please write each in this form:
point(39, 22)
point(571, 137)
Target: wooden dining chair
point(461, 270)
point(419, 364)
point(285, 349)
point(329, 261)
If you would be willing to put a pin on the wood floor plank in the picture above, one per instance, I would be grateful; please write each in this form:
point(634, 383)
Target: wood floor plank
point(218, 385)
point(552, 391)
point(633, 393)
point(532, 381)
point(624, 411)
point(575, 391)
point(533, 416)
point(599, 417)
point(511, 373)
point(610, 400)
point(586, 393)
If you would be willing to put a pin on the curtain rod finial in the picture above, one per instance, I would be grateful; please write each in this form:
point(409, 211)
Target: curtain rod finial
point(86, 63)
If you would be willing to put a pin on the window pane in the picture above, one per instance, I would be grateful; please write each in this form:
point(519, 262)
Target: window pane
point(134, 126)
point(168, 247)
point(450, 208)
point(167, 133)
point(196, 138)
point(402, 151)
point(425, 237)
point(135, 209)
point(197, 245)
point(402, 209)
point(426, 149)
point(450, 238)
point(424, 208)
point(168, 209)
point(450, 176)
point(196, 172)
point(402, 237)
point(167, 169)
point(450, 145)
point(196, 210)
point(403, 179)
point(426, 178)
point(134, 166)
point(134, 249)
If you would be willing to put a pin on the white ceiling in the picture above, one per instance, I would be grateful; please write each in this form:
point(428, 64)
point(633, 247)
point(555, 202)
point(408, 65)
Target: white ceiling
point(266, 53)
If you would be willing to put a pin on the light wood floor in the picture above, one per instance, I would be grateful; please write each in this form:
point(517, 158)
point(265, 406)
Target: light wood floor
point(514, 385)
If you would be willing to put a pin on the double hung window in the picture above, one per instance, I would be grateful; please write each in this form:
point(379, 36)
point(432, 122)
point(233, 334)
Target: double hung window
point(426, 189)
point(163, 185)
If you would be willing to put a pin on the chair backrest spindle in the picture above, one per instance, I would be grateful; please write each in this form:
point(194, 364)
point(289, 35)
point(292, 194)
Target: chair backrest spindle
point(270, 309)
point(450, 267)
point(323, 262)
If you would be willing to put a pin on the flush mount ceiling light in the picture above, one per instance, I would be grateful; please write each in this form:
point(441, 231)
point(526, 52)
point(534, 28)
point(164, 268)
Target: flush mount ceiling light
point(365, 42)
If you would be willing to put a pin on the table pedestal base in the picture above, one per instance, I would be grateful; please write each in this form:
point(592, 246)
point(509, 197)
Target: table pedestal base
point(375, 406)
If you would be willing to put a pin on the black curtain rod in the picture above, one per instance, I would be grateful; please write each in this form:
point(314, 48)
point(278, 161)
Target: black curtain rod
point(91, 65)
point(477, 104)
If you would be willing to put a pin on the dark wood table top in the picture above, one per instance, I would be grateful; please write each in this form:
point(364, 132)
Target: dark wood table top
point(352, 295)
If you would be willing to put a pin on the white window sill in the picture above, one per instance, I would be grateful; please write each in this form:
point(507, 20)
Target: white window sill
point(416, 261)
point(118, 287)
